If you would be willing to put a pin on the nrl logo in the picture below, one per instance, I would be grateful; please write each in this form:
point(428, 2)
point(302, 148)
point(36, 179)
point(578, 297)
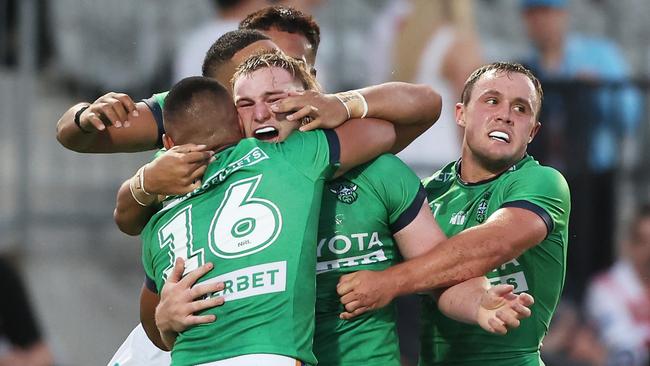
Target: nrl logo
point(344, 191)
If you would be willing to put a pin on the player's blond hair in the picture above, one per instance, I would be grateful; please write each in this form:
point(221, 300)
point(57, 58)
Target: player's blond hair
point(276, 58)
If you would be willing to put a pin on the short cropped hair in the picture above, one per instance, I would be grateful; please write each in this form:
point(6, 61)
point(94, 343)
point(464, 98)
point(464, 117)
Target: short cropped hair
point(224, 48)
point(276, 58)
point(286, 19)
point(506, 67)
point(195, 107)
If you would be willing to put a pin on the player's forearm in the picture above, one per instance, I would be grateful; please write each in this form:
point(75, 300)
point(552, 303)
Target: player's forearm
point(403, 104)
point(472, 253)
point(461, 302)
point(411, 108)
point(130, 216)
point(70, 135)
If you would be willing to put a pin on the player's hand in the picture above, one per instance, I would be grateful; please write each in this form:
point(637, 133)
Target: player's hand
point(180, 299)
point(178, 171)
point(314, 109)
point(501, 309)
point(112, 109)
point(363, 291)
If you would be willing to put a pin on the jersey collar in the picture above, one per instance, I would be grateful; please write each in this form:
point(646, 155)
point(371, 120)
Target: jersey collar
point(514, 167)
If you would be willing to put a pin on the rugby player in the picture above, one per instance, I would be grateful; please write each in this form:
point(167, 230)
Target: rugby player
point(506, 217)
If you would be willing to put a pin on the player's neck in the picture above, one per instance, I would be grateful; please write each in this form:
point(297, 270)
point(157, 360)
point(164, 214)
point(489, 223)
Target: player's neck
point(474, 170)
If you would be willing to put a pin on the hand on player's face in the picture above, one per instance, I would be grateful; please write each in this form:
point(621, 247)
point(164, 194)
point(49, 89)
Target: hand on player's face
point(501, 309)
point(363, 291)
point(255, 93)
point(112, 109)
point(313, 109)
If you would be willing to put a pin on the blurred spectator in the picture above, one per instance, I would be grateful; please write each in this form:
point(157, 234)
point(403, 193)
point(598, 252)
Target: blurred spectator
point(429, 42)
point(618, 301)
point(21, 342)
point(569, 342)
point(192, 48)
point(587, 111)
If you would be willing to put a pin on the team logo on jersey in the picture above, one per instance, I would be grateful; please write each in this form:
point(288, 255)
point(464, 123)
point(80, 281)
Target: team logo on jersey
point(345, 191)
point(481, 211)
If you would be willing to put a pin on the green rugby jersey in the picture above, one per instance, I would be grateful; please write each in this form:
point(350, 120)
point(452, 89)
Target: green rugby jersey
point(359, 214)
point(539, 271)
point(256, 218)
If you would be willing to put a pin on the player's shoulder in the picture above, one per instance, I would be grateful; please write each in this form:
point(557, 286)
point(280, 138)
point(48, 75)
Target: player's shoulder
point(442, 177)
point(532, 170)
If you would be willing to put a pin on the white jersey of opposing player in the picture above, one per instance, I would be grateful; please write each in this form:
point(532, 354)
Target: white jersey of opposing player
point(138, 350)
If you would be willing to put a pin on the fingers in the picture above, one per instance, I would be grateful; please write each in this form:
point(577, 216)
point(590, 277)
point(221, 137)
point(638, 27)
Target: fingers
point(497, 326)
point(508, 317)
point(200, 319)
point(526, 299)
point(209, 303)
point(177, 272)
point(128, 103)
point(303, 112)
point(345, 284)
point(201, 290)
point(501, 290)
point(349, 315)
point(188, 148)
point(92, 119)
point(292, 102)
point(191, 278)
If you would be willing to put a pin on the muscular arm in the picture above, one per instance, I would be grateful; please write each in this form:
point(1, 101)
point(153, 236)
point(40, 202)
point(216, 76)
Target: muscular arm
point(378, 137)
point(177, 171)
point(148, 302)
point(102, 133)
point(412, 108)
point(505, 235)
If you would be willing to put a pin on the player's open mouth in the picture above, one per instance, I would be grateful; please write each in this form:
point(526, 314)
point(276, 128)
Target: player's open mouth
point(266, 133)
point(500, 136)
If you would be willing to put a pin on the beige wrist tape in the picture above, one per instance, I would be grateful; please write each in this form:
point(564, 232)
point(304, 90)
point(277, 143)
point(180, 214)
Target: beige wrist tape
point(354, 103)
point(136, 186)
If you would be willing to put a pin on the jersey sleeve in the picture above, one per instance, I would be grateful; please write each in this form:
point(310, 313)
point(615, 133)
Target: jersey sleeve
point(156, 103)
point(314, 153)
point(398, 187)
point(544, 191)
point(147, 264)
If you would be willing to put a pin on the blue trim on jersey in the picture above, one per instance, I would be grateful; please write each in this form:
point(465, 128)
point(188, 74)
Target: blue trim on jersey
point(410, 213)
point(335, 146)
point(156, 110)
point(526, 205)
point(150, 284)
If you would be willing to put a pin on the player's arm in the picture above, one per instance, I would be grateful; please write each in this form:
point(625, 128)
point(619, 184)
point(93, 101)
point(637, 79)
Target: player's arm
point(149, 299)
point(412, 108)
point(472, 301)
point(177, 171)
point(469, 254)
point(112, 123)
point(496, 309)
point(361, 140)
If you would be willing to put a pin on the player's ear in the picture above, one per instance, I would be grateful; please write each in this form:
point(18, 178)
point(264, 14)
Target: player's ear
point(168, 143)
point(460, 114)
point(533, 133)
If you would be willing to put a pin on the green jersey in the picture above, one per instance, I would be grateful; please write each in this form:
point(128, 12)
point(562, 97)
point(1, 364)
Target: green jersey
point(539, 271)
point(359, 214)
point(256, 218)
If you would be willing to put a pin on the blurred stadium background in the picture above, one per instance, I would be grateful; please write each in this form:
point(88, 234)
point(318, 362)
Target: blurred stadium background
point(82, 274)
